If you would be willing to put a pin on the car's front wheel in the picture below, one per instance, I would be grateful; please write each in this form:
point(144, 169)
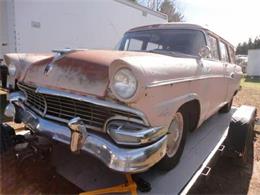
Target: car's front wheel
point(175, 141)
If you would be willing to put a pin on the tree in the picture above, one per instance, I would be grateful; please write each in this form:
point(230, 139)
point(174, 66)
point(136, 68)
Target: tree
point(169, 8)
point(243, 48)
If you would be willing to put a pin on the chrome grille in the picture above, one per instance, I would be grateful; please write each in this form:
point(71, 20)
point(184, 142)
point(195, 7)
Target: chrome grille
point(63, 109)
point(35, 100)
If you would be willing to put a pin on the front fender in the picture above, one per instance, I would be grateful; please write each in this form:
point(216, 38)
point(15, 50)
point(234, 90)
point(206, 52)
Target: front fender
point(167, 109)
point(161, 103)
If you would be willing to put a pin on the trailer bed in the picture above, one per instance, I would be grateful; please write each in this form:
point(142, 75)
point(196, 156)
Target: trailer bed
point(201, 145)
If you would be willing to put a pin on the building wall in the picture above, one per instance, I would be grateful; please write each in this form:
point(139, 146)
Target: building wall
point(44, 25)
point(7, 30)
point(253, 66)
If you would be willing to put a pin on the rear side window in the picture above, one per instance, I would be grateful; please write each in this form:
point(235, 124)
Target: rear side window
point(223, 52)
point(232, 55)
point(213, 44)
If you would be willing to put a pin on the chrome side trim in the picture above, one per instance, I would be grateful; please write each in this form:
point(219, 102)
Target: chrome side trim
point(181, 80)
point(92, 100)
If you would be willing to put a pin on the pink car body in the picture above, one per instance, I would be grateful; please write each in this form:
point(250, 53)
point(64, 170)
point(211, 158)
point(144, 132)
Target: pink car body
point(165, 83)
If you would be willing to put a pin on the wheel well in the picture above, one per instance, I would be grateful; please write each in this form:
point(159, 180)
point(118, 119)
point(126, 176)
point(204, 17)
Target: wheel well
point(191, 111)
point(235, 92)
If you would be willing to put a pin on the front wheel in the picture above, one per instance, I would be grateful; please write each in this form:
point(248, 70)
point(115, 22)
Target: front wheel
point(175, 142)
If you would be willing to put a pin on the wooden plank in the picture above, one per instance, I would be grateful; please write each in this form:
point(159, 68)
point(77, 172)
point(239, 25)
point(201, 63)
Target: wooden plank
point(3, 91)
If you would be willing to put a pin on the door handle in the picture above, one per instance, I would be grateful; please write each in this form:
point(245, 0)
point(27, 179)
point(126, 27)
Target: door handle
point(4, 44)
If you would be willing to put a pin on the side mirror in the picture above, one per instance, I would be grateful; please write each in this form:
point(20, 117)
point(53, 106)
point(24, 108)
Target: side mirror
point(204, 52)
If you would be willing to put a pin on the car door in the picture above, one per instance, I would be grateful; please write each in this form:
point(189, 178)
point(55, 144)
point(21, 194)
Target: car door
point(229, 71)
point(216, 91)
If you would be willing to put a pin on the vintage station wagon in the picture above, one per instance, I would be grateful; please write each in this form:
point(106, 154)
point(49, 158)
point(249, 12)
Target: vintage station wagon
point(130, 108)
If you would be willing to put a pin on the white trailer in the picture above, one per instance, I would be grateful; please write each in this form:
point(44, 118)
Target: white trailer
point(253, 66)
point(44, 25)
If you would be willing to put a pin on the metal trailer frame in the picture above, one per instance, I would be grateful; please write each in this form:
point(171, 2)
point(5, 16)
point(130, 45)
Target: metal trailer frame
point(202, 149)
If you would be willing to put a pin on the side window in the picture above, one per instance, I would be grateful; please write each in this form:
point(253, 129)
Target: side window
point(135, 44)
point(223, 52)
point(213, 44)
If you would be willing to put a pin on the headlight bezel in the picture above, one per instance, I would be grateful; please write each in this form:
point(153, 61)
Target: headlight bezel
point(118, 92)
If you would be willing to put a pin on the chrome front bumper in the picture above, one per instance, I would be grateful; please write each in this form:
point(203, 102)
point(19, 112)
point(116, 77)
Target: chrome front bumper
point(122, 159)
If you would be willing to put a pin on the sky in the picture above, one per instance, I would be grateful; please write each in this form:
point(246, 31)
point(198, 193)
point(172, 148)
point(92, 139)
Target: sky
point(234, 20)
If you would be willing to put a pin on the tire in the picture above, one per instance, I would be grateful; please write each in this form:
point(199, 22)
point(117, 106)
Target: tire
point(4, 73)
point(172, 156)
point(227, 107)
point(7, 134)
point(239, 141)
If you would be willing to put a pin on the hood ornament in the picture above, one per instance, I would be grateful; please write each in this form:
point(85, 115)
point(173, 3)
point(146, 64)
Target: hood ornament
point(58, 54)
point(48, 68)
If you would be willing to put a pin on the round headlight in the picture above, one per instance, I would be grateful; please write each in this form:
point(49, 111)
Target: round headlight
point(11, 69)
point(124, 83)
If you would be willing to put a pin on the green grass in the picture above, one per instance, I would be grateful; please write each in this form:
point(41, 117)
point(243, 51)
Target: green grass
point(250, 83)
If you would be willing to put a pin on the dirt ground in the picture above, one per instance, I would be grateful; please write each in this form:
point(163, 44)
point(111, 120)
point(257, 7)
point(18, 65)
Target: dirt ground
point(226, 177)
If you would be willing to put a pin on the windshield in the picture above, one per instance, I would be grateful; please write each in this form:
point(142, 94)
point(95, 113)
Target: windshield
point(173, 40)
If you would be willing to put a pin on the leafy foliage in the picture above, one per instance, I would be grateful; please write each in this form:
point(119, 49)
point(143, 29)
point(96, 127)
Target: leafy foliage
point(243, 48)
point(167, 7)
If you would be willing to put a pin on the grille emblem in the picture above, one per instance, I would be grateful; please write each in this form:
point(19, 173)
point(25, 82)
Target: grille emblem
point(48, 68)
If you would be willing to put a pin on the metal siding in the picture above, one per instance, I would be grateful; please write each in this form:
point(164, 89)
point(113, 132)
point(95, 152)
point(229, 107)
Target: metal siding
point(7, 30)
point(42, 26)
point(253, 67)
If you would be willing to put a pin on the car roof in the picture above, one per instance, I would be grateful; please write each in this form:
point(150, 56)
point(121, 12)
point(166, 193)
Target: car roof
point(177, 25)
point(170, 25)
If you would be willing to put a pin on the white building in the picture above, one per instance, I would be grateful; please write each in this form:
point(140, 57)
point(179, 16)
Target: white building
point(253, 66)
point(44, 25)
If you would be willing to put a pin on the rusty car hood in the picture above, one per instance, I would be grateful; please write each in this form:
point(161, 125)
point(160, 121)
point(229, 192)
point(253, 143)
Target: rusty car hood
point(81, 72)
